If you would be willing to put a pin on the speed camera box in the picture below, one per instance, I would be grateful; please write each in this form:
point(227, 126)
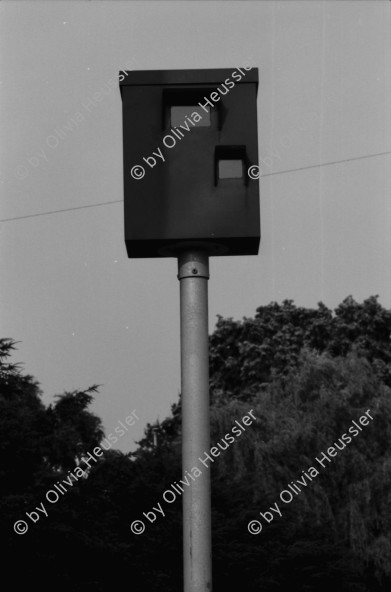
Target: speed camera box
point(189, 138)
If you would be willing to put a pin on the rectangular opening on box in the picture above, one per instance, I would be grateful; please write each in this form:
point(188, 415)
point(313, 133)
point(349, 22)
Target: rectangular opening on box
point(230, 169)
point(231, 162)
point(182, 103)
point(185, 115)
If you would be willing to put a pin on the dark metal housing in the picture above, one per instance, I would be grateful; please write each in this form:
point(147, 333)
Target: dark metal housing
point(195, 191)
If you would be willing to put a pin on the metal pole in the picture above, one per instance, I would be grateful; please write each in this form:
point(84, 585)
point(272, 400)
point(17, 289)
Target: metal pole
point(193, 274)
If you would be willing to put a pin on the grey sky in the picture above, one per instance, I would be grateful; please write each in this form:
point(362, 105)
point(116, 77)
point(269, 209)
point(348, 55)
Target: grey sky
point(83, 312)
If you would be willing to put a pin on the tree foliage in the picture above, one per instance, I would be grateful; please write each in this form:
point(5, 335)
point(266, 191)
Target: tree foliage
point(245, 355)
point(306, 374)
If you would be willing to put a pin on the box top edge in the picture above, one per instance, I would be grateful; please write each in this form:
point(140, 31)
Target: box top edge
point(197, 76)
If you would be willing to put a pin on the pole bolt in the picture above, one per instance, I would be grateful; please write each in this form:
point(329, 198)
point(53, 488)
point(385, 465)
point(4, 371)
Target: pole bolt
point(194, 271)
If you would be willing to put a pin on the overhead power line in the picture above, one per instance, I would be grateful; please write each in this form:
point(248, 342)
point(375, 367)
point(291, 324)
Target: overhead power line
point(313, 166)
point(95, 205)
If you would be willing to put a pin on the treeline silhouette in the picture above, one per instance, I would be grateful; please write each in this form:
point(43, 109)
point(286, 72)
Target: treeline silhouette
point(306, 373)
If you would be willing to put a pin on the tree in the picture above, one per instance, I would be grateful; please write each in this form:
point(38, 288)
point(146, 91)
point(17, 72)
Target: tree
point(246, 355)
point(342, 519)
point(38, 446)
point(306, 375)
